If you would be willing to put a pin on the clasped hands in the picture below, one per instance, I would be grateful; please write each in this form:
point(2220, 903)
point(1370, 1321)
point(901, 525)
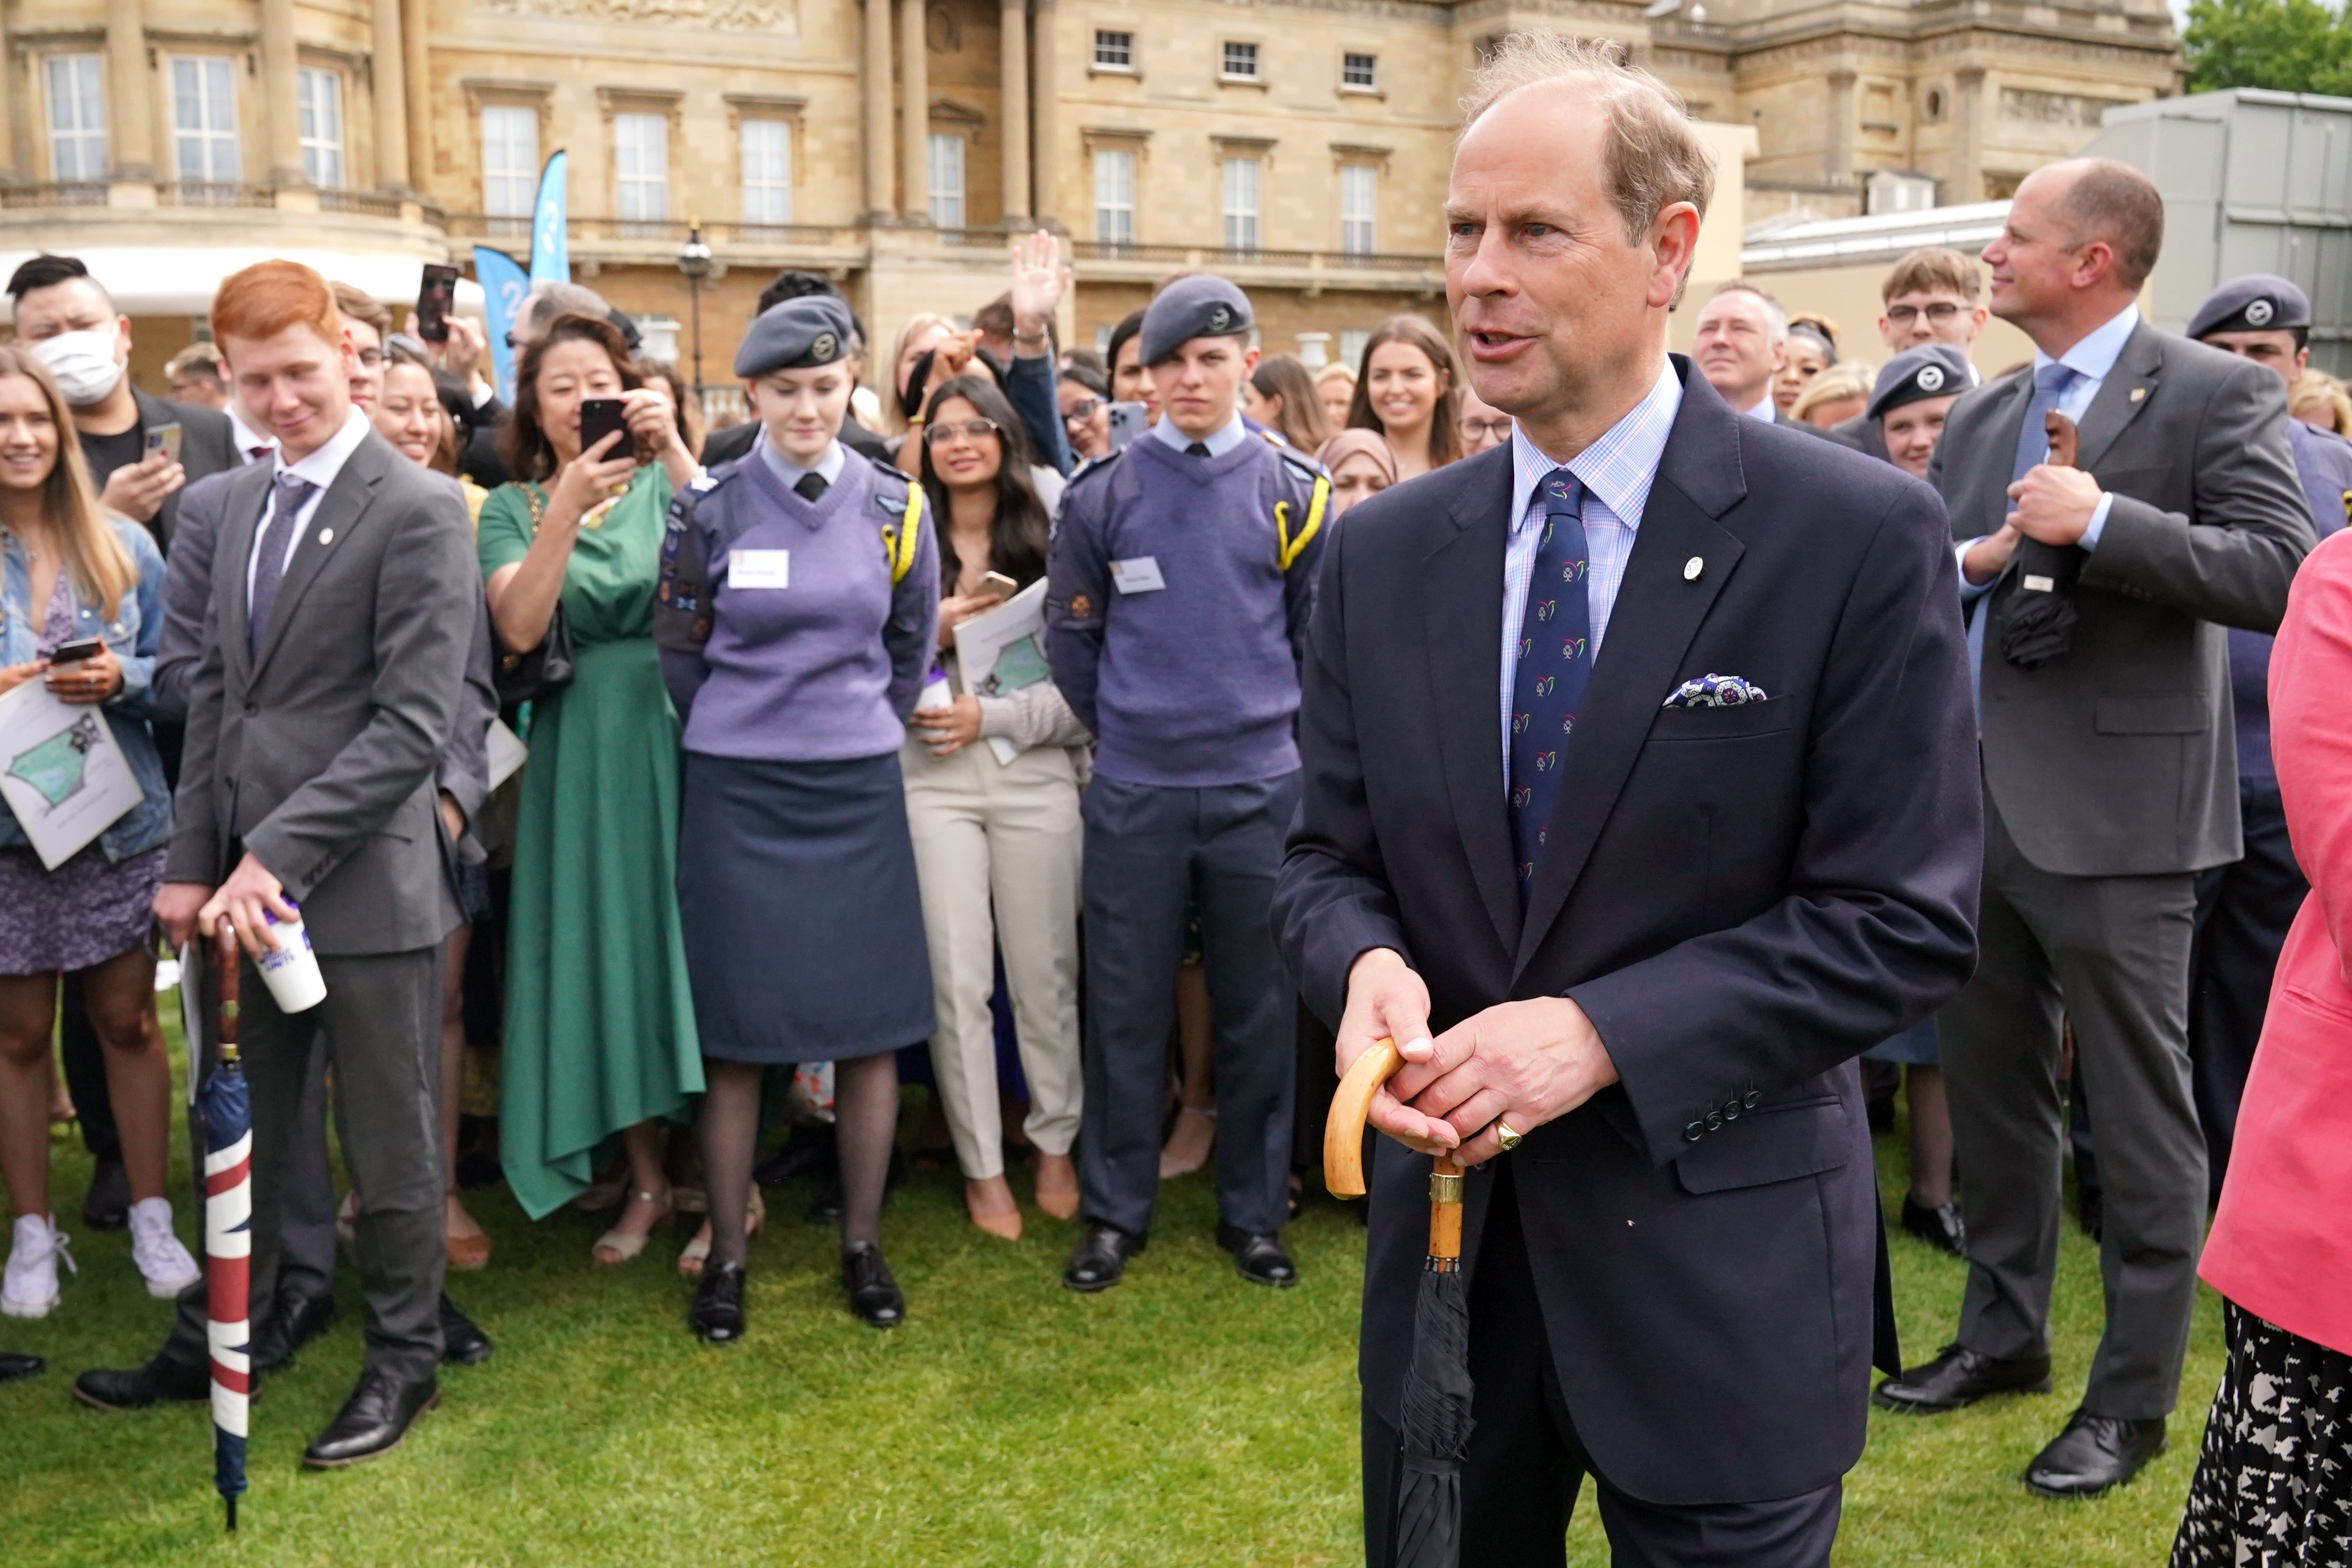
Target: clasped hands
point(2052, 505)
point(1517, 1063)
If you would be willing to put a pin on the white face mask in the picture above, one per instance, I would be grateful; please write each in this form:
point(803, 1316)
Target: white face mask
point(83, 362)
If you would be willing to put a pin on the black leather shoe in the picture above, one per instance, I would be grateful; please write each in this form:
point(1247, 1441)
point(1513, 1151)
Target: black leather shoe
point(808, 1152)
point(1101, 1258)
point(716, 1315)
point(1960, 1376)
point(1257, 1257)
point(372, 1422)
point(108, 1204)
point(1940, 1226)
point(299, 1318)
point(874, 1295)
point(463, 1343)
point(825, 1208)
point(14, 1367)
point(160, 1382)
point(2095, 1453)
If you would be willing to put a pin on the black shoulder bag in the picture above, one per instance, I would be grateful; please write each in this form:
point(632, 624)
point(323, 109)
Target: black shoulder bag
point(534, 672)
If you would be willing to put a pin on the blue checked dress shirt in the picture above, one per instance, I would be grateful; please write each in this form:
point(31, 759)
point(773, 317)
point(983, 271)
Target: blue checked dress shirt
point(1555, 660)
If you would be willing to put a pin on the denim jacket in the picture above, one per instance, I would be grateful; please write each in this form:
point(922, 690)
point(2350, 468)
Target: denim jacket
point(131, 630)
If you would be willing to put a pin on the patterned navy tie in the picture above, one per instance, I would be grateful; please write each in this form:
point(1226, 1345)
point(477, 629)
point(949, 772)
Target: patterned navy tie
point(1555, 660)
point(288, 490)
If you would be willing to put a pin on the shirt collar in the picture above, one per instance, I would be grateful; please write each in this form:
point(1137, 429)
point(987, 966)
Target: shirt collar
point(828, 466)
point(246, 436)
point(2095, 355)
point(1620, 467)
point(321, 466)
point(1764, 410)
point(1219, 442)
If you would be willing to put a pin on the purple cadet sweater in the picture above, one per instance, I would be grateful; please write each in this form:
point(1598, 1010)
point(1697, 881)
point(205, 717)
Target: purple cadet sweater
point(827, 667)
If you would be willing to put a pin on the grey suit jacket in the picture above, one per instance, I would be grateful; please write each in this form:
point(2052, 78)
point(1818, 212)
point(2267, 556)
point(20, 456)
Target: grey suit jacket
point(318, 752)
point(2117, 759)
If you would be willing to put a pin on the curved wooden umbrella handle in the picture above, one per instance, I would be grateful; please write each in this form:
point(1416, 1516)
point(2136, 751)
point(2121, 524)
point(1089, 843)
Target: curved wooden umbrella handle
point(1343, 1131)
point(2064, 439)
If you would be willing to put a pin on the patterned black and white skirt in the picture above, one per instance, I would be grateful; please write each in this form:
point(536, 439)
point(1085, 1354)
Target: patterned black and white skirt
point(2274, 1486)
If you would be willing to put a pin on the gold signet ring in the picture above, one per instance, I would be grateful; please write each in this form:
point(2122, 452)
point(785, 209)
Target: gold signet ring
point(1504, 1136)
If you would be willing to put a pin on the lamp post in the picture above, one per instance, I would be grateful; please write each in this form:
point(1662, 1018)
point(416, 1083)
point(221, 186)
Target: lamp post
point(694, 260)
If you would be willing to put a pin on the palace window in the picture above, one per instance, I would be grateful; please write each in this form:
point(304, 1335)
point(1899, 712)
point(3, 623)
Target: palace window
point(1359, 185)
point(1240, 62)
point(766, 171)
point(319, 96)
point(1115, 195)
point(1114, 51)
point(1359, 72)
point(203, 119)
point(77, 117)
point(946, 180)
point(641, 166)
point(509, 160)
point(1242, 202)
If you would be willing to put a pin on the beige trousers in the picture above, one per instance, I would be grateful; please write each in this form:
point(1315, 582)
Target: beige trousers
point(996, 848)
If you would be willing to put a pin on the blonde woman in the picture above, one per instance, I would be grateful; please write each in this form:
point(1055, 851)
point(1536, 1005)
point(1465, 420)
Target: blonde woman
point(70, 576)
point(2318, 400)
point(923, 331)
point(1405, 389)
point(1837, 394)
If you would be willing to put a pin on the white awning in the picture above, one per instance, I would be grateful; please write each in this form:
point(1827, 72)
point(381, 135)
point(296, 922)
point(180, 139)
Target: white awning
point(180, 280)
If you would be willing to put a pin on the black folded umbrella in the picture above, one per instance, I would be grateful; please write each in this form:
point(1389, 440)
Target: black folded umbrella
point(2041, 613)
point(1437, 1390)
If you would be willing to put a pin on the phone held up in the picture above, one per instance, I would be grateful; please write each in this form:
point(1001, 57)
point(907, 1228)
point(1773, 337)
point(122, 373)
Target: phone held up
point(997, 585)
point(164, 439)
point(1127, 420)
point(436, 296)
point(79, 648)
point(599, 417)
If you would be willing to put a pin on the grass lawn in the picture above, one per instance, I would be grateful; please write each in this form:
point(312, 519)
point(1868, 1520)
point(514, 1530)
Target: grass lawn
point(1183, 1418)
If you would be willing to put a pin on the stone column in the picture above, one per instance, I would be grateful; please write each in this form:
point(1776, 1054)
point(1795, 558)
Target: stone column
point(388, 68)
point(1012, 75)
point(877, 94)
point(1967, 136)
point(1045, 125)
point(130, 92)
point(281, 112)
point(1837, 158)
point(9, 173)
point(914, 113)
point(416, 82)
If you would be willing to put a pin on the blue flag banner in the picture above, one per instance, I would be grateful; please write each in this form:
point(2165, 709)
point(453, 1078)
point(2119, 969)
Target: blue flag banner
point(504, 284)
point(550, 254)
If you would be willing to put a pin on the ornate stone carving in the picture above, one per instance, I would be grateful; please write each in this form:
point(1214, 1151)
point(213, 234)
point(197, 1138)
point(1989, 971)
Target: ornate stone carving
point(716, 16)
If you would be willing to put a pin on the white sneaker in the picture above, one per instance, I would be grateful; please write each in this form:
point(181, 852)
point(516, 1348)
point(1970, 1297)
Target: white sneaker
point(30, 1287)
point(161, 1259)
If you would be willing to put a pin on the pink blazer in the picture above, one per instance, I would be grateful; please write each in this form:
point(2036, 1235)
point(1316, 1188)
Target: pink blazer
point(2282, 1244)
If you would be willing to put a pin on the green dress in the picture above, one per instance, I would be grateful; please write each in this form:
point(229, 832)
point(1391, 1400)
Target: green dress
point(599, 1018)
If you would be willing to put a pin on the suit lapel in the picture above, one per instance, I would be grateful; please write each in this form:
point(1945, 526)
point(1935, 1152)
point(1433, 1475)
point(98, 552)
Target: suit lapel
point(2008, 417)
point(240, 518)
point(1658, 612)
point(339, 510)
point(2125, 392)
point(1463, 633)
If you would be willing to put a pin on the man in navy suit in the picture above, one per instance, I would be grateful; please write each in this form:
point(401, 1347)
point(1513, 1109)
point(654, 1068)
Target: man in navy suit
point(1638, 764)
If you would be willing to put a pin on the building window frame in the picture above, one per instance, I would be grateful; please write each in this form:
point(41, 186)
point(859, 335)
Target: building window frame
point(75, 83)
point(1114, 168)
point(766, 181)
point(1242, 183)
point(641, 165)
point(1240, 62)
point(318, 109)
point(1360, 209)
point(211, 135)
point(509, 194)
point(1359, 72)
point(1115, 53)
point(947, 160)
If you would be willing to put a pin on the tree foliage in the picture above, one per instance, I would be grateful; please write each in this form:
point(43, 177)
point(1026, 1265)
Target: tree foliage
point(2292, 45)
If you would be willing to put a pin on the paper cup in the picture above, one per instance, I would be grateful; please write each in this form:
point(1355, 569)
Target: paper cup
point(292, 972)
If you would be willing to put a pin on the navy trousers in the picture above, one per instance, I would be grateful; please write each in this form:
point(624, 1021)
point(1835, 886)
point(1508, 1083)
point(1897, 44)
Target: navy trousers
point(2243, 911)
point(1148, 849)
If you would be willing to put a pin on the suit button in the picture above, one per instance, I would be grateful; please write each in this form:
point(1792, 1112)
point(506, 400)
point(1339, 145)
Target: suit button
point(1714, 1119)
point(1694, 1132)
point(1731, 1108)
point(1751, 1098)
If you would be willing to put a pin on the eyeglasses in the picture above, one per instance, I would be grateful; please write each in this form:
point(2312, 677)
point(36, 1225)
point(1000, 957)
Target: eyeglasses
point(1081, 411)
point(970, 429)
point(371, 358)
point(1494, 429)
point(1942, 313)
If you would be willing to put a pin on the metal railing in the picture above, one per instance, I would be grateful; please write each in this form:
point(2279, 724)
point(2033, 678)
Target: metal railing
point(1259, 255)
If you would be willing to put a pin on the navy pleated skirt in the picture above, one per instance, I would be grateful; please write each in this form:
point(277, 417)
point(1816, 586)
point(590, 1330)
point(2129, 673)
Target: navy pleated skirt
point(802, 918)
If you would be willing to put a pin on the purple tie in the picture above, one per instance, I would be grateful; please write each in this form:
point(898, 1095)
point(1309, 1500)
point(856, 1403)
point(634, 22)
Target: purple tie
point(1555, 660)
point(289, 491)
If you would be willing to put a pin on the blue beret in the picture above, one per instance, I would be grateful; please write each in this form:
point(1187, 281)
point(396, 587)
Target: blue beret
point(798, 334)
point(2258, 302)
point(1931, 370)
point(1200, 306)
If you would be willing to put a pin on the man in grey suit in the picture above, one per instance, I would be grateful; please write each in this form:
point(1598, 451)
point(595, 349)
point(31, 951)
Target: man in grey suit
point(334, 658)
point(2109, 783)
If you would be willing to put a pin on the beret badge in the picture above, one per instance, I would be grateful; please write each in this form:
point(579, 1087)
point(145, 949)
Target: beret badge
point(1930, 377)
point(2259, 312)
point(1220, 318)
point(822, 347)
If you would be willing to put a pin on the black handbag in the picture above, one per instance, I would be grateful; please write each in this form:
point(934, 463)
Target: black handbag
point(519, 677)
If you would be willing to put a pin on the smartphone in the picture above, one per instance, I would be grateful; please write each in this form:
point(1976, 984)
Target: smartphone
point(435, 296)
point(1127, 420)
point(599, 417)
point(80, 649)
point(998, 585)
point(164, 439)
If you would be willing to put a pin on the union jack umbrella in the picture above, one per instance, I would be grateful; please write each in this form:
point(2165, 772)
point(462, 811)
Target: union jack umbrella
point(225, 1108)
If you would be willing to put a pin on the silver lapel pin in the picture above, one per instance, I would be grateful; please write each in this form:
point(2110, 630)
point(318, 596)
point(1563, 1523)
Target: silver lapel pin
point(325, 536)
point(1692, 568)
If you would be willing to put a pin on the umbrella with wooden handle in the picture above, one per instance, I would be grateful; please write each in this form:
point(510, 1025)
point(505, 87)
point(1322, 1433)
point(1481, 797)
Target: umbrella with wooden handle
point(2043, 613)
point(225, 1108)
point(1437, 1388)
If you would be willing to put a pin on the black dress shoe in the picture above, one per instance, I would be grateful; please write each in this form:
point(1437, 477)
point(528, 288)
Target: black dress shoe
point(716, 1315)
point(1101, 1258)
point(463, 1343)
point(2095, 1453)
point(14, 1365)
point(874, 1295)
point(374, 1421)
point(1939, 1226)
point(1258, 1257)
point(298, 1319)
point(108, 1204)
point(825, 1208)
point(1960, 1376)
point(160, 1382)
point(809, 1151)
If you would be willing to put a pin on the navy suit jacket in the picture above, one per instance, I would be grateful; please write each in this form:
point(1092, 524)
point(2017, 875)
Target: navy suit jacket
point(1741, 898)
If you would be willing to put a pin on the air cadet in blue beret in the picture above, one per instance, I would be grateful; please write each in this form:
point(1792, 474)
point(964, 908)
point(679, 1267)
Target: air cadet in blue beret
point(2243, 909)
point(1176, 612)
point(798, 601)
point(1910, 399)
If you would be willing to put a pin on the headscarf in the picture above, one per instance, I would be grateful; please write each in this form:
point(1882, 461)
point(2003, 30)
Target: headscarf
point(1349, 444)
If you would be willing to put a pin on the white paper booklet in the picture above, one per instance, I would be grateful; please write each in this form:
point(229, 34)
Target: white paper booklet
point(61, 772)
point(1003, 650)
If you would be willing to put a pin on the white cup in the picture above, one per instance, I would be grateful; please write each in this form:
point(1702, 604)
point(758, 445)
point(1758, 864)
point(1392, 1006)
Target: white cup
point(292, 970)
